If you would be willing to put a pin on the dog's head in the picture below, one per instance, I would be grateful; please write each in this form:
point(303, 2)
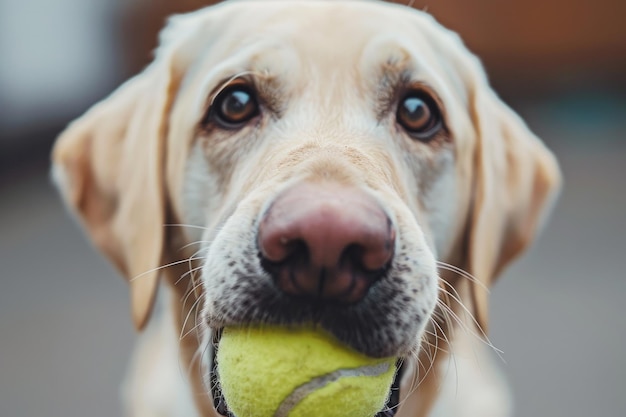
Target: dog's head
point(326, 156)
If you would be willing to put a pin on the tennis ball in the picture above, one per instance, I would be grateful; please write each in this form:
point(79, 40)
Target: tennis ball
point(280, 372)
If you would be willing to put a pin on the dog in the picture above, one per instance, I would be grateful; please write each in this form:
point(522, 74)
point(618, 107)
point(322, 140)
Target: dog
point(343, 163)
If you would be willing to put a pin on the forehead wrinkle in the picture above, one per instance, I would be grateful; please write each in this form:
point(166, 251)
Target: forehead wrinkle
point(257, 60)
point(405, 62)
point(402, 64)
point(444, 48)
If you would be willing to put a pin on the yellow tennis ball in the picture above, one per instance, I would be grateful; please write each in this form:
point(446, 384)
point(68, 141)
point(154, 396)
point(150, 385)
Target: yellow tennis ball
point(279, 372)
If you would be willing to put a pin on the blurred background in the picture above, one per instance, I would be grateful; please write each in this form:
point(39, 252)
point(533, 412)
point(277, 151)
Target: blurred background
point(65, 331)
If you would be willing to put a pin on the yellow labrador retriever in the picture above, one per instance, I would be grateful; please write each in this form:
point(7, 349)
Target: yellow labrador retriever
point(338, 162)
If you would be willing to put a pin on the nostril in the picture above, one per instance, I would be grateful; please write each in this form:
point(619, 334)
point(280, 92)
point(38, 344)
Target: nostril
point(353, 257)
point(291, 254)
point(346, 282)
point(373, 253)
point(292, 272)
point(325, 242)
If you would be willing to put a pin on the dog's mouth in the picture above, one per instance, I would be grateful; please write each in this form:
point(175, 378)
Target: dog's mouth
point(219, 402)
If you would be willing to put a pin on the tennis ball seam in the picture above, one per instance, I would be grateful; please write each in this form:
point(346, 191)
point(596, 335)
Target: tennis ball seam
point(259, 369)
point(302, 391)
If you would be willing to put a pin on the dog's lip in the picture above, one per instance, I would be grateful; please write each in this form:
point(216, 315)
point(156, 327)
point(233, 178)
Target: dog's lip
point(219, 402)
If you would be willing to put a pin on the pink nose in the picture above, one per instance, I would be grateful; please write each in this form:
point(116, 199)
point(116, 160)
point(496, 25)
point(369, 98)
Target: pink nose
point(326, 241)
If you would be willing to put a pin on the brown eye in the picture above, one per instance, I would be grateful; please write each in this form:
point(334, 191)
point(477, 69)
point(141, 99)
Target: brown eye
point(234, 106)
point(419, 116)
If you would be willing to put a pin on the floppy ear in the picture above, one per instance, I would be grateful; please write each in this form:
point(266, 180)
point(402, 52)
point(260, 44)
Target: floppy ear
point(516, 182)
point(109, 165)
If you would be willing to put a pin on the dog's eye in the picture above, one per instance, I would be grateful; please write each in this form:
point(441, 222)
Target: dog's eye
point(234, 106)
point(419, 116)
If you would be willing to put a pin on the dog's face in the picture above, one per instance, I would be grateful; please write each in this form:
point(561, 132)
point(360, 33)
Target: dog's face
point(325, 119)
point(328, 155)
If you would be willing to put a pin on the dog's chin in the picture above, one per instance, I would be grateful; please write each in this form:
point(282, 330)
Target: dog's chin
point(221, 405)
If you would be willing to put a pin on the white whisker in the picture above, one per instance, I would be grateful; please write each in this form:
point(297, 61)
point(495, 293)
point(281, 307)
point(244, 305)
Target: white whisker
point(191, 291)
point(197, 242)
point(482, 337)
point(191, 226)
point(463, 273)
point(191, 309)
point(159, 268)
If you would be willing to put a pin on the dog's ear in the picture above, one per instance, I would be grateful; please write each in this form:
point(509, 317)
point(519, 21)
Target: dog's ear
point(110, 166)
point(516, 179)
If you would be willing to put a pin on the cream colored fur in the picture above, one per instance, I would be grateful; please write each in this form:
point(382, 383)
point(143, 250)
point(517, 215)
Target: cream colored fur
point(139, 163)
